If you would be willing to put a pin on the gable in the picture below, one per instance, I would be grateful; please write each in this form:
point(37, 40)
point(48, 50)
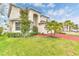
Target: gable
point(14, 12)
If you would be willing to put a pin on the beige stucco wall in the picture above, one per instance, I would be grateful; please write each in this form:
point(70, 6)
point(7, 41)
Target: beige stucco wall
point(44, 18)
point(13, 30)
point(31, 13)
point(12, 27)
point(42, 29)
point(15, 15)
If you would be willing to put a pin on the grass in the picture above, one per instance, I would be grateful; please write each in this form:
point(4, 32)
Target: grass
point(38, 46)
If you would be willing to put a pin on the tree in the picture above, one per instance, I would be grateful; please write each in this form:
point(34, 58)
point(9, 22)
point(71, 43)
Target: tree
point(48, 26)
point(57, 27)
point(25, 23)
point(76, 27)
point(54, 25)
point(69, 25)
point(61, 27)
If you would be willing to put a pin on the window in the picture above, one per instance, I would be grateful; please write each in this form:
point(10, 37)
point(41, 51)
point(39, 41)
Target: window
point(17, 25)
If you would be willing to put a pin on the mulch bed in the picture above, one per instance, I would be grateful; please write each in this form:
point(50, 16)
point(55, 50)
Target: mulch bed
point(64, 36)
point(45, 35)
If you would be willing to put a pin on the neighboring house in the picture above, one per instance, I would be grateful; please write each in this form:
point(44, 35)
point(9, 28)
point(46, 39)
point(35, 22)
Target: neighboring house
point(34, 16)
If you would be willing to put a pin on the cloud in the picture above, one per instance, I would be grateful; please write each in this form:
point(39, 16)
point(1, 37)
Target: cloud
point(50, 12)
point(75, 19)
point(39, 4)
point(59, 12)
point(63, 13)
point(55, 13)
point(51, 5)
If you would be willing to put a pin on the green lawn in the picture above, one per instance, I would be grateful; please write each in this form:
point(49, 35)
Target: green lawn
point(38, 46)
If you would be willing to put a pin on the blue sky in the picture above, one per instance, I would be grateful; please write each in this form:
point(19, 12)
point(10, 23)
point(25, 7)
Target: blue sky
point(55, 11)
point(3, 14)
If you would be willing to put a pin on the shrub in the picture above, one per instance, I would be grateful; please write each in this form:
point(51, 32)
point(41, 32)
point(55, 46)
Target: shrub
point(35, 30)
point(3, 37)
point(62, 33)
point(1, 30)
point(33, 33)
point(11, 34)
point(25, 23)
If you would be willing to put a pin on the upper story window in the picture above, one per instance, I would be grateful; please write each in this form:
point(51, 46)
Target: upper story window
point(17, 26)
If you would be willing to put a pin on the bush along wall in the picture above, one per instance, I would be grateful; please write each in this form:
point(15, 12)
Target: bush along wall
point(34, 30)
point(1, 30)
point(11, 34)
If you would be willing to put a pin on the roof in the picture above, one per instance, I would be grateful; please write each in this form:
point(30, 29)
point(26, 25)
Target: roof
point(45, 16)
point(24, 9)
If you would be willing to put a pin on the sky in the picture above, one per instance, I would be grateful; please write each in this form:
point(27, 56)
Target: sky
point(55, 11)
point(3, 15)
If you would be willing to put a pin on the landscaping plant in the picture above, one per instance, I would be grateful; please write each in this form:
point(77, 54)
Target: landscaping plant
point(25, 23)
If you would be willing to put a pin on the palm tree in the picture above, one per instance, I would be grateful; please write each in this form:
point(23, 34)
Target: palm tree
point(76, 27)
point(57, 27)
point(61, 26)
point(54, 25)
point(48, 26)
point(69, 25)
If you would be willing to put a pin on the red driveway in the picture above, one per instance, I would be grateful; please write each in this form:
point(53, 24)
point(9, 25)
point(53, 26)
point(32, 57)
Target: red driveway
point(64, 36)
